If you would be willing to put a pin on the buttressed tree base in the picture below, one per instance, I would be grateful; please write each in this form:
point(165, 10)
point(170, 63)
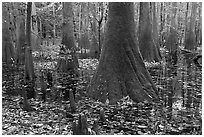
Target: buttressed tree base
point(121, 71)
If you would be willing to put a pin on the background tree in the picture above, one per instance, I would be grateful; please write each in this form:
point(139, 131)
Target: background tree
point(54, 32)
point(7, 46)
point(199, 25)
point(155, 32)
point(64, 64)
point(121, 70)
point(99, 20)
point(145, 35)
point(162, 21)
point(94, 44)
point(84, 35)
point(20, 34)
point(34, 29)
point(190, 37)
point(29, 68)
point(172, 40)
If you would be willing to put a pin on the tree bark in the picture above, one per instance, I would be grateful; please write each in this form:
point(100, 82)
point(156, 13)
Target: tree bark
point(84, 38)
point(20, 38)
point(100, 19)
point(121, 69)
point(35, 40)
point(155, 33)
point(68, 39)
point(145, 35)
point(54, 35)
point(94, 49)
point(190, 37)
point(162, 20)
point(199, 26)
point(67, 30)
point(7, 47)
point(172, 41)
point(29, 68)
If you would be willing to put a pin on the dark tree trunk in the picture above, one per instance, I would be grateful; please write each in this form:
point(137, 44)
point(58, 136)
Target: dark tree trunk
point(94, 50)
point(99, 29)
point(190, 37)
point(172, 40)
point(157, 54)
point(67, 29)
point(20, 45)
point(68, 39)
point(145, 35)
point(162, 20)
point(121, 69)
point(7, 47)
point(29, 69)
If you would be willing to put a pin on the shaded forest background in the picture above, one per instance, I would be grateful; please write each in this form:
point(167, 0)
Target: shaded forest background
point(53, 54)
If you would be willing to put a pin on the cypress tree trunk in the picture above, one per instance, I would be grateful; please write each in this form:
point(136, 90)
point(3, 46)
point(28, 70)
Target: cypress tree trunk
point(172, 40)
point(29, 68)
point(7, 47)
point(20, 44)
point(190, 37)
point(68, 39)
point(145, 35)
point(121, 69)
point(94, 45)
point(155, 33)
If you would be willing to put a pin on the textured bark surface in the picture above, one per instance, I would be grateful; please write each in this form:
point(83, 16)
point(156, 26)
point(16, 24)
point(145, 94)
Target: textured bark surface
point(157, 54)
point(35, 39)
point(121, 70)
point(20, 37)
point(172, 40)
point(68, 28)
point(94, 50)
point(145, 35)
point(7, 47)
point(68, 39)
point(29, 68)
point(190, 37)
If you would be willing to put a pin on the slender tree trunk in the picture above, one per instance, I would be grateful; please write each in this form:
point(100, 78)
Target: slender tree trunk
point(99, 28)
point(157, 54)
point(84, 39)
point(41, 31)
point(163, 20)
point(172, 40)
point(80, 22)
point(67, 30)
point(54, 24)
point(68, 39)
point(29, 68)
point(34, 29)
point(190, 38)
point(121, 70)
point(20, 38)
point(94, 45)
point(7, 47)
point(199, 26)
point(186, 20)
point(145, 35)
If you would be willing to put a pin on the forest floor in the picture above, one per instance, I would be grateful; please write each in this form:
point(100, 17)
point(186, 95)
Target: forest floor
point(54, 117)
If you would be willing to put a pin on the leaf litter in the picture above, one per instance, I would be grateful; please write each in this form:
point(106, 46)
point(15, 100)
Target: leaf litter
point(124, 118)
